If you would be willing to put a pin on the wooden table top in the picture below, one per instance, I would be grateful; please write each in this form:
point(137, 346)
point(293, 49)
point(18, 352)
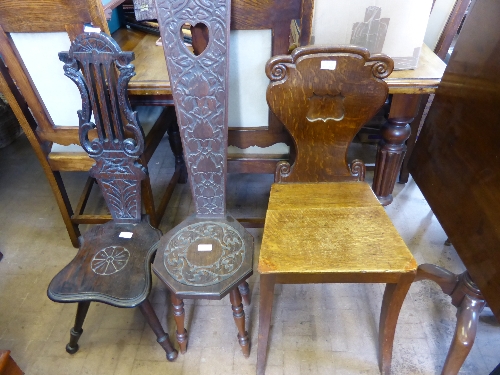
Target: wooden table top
point(152, 76)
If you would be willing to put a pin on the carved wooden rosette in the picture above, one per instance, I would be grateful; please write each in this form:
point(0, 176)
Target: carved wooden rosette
point(313, 92)
point(199, 87)
point(120, 138)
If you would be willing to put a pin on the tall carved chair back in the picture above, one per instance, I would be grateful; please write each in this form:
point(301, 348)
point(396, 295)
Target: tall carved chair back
point(324, 95)
point(322, 222)
point(113, 264)
point(209, 254)
point(31, 34)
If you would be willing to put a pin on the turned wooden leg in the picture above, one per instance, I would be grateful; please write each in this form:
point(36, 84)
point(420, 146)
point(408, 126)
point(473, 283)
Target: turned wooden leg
point(392, 147)
point(244, 291)
point(161, 337)
point(470, 302)
point(179, 315)
point(394, 297)
point(266, 307)
point(239, 319)
point(76, 331)
point(174, 138)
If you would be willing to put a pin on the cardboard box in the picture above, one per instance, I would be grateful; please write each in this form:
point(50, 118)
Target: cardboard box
point(393, 27)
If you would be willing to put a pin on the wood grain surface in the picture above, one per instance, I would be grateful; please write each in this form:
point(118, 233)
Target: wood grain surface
point(328, 234)
point(455, 161)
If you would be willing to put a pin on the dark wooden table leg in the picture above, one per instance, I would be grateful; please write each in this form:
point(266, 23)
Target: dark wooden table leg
point(404, 174)
point(1, 255)
point(76, 331)
point(174, 138)
point(265, 310)
point(179, 315)
point(245, 292)
point(392, 147)
point(470, 302)
point(161, 337)
point(394, 297)
point(239, 319)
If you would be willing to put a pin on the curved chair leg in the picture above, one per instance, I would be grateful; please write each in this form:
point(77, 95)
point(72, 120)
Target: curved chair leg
point(244, 289)
point(394, 297)
point(465, 334)
point(179, 315)
point(161, 337)
point(174, 138)
point(75, 332)
point(239, 319)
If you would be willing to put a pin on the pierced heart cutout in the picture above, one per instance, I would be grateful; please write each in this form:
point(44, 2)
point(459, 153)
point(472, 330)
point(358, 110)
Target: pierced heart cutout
point(197, 35)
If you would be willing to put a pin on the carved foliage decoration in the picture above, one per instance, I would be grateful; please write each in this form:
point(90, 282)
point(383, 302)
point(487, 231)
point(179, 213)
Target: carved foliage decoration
point(183, 263)
point(199, 88)
point(323, 95)
point(92, 63)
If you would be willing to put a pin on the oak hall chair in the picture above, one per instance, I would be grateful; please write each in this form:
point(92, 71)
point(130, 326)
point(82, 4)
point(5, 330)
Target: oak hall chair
point(32, 32)
point(209, 254)
point(113, 263)
point(324, 224)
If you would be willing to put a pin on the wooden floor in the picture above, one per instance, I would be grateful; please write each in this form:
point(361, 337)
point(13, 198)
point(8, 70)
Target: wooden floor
point(317, 329)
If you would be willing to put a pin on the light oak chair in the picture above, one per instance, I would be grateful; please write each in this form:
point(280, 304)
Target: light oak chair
point(32, 32)
point(113, 263)
point(323, 223)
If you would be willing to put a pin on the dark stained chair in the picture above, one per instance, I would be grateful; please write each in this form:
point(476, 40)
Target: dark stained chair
point(113, 263)
point(209, 254)
point(45, 102)
point(323, 223)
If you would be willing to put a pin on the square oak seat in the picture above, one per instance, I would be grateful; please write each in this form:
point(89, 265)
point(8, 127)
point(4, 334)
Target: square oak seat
point(336, 229)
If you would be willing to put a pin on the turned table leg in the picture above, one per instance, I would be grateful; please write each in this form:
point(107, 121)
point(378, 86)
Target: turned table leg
point(469, 302)
point(179, 315)
point(392, 147)
point(239, 319)
point(161, 337)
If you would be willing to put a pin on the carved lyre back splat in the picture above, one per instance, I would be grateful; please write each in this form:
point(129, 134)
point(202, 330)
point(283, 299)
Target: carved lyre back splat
point(120, 137)
point(199, 87)
point(324, 95)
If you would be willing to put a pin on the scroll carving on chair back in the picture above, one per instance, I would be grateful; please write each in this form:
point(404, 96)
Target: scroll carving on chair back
point(199, 87)
point(92, 63)
point(324, 95)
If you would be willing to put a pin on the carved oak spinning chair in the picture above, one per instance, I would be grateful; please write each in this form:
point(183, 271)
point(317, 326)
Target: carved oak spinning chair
point(209, 254)
point(113, 263)
point(45, 102)
point(324, 224)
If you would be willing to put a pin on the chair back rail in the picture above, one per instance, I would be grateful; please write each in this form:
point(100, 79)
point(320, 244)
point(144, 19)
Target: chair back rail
point(91, 64)
point(323, 96)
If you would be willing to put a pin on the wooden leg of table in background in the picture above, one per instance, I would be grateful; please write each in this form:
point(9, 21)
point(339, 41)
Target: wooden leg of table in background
point(469, 302)
point(392, 147)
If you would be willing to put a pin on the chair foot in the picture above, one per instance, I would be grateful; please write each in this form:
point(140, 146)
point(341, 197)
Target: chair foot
point(239, 320)
point(75, 332)
point(244, 289)
point(161, 337)
point(182, 340)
